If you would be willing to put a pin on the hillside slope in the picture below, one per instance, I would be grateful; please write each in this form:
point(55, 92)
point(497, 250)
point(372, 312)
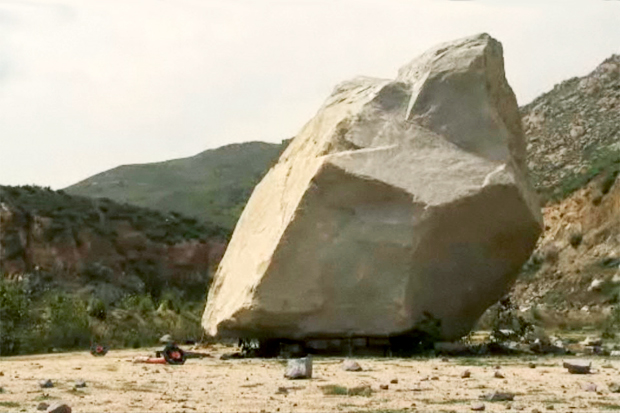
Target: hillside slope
point(573, 131)
point(70, 242)
point(574, 158)
point(212, 186)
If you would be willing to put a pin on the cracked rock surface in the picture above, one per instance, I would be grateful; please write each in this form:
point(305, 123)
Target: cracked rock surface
point(400, 200)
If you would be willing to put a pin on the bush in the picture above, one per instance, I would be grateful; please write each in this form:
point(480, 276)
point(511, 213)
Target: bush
point(15, 319)
point(66, 321)
point(63, 321)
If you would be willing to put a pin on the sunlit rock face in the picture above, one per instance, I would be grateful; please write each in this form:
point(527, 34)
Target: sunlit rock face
point(400, 200)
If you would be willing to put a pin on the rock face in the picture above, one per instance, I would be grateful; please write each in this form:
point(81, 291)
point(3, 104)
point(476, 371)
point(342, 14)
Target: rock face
point(401, 201)
point(108, 249)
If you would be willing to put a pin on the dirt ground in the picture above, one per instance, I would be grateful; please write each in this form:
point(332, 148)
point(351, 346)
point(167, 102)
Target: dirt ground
point(115, 384)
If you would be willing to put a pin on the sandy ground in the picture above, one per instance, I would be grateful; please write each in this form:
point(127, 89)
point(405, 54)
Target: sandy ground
point(114, 384)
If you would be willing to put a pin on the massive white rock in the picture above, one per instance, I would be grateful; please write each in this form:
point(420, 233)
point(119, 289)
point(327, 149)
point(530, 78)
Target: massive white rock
point(401, 199)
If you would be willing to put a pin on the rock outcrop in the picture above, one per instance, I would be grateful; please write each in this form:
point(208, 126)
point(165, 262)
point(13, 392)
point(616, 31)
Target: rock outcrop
point(401, 202)
point(56, 240)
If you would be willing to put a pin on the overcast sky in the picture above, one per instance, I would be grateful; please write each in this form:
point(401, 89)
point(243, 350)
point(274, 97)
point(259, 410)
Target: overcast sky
point(87, 85)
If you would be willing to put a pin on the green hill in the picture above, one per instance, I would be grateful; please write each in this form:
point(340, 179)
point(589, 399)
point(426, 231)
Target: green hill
point(212, 186)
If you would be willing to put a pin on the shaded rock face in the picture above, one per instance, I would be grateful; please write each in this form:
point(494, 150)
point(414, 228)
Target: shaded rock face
point(400, 200)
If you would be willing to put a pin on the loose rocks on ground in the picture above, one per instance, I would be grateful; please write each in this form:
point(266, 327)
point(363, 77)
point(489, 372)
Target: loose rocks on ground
point(299, 368)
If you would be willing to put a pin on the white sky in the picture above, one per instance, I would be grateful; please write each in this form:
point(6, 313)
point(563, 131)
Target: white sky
point(87, 85)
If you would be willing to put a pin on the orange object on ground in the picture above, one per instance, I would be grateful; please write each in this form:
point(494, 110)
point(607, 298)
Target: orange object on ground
point(155, 361)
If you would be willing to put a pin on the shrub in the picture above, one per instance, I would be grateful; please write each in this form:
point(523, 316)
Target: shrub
point(67, 324)
point(15, 317)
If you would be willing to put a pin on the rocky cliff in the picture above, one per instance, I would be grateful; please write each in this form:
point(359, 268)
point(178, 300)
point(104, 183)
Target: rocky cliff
point(77, 243)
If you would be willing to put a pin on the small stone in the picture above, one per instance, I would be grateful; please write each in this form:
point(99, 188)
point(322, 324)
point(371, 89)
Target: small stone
point(299, 368)
point(43, 406)
point(394, 381)
point(536, 411)
point(79, 384)
point(614, 387)
point(435, 378)
point(532, 365)
point(466, 374)
point(577, 366)
point(384, 386)
point(498, 396)
point(478, 407)
point(59, 407)
point(282, 390)
point(46, 383)
point(550, 407)
point(498, 375)
point(351, 365)
point(589, 387)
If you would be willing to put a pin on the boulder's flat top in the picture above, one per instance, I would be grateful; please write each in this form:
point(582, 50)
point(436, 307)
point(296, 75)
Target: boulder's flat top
point(251, 385)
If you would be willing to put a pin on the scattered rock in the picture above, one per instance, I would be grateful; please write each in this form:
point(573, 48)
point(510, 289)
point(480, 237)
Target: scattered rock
point(351, 365)
point(596, 285)
point(43, 406)
point(46, 383)
point(577, 366)
point(466, 374)
point(434, 377)
point(498, 375)
point(299, 368)
point(532, 365)
point(498, 396)
point(384, 386)
point(59, 407)
point(536, 411)
point(589, 387)
point(614, 387)
point(79, 384)
point(282, 390)
point(478, 407)
point(550, 407)
point(394, 381)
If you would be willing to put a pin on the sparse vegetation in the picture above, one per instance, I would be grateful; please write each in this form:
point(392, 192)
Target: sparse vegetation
point(212, 186)
point(605, 163)
point(70, 213)
point(9, 404)
point(337, 390)
point(57, 320)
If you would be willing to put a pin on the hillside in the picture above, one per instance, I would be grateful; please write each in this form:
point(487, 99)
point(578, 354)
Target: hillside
point(110, 249)
point(574, 157)
point(573, 131)
point(212, 186)
point(75, 270)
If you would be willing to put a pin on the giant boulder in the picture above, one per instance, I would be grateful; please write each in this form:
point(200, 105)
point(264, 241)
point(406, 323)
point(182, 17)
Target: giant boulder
point(400, 201)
